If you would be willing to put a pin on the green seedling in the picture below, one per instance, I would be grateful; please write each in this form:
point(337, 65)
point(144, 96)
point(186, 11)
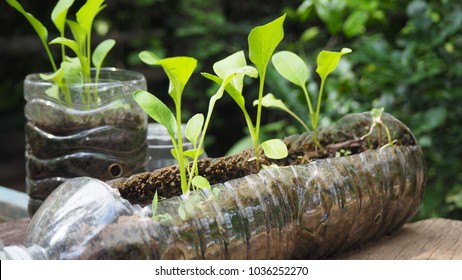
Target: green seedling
point(291, 67)
point(376, 114)
point(74, 69)
point(179, 70)
point(342, 153)
point(262, 41)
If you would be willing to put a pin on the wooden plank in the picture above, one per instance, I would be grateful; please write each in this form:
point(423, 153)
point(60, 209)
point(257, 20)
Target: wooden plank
point(436, 239)
point(13, 232)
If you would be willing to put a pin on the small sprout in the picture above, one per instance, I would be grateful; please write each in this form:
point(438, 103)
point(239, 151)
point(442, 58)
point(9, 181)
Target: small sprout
point(275, 149)
point(342, 153)
point(178, 70)
point(290, 66)
point(263, 41)
point(376, 115)
point(80, 45)
point(155, 202)
point(201, 182)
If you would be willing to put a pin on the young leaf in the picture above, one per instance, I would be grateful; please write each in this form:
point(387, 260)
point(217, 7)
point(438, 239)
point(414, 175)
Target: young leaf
point(290, 66)
point(178, 69)
point(68, 43)
point(41, 30)
point(55, 76)
point(193, 129)
point(235, 60)
point(192, 153)
point(182, 213)
point(78, 33)
point(101, 51)
point(233, 74)
point(157, 110)
point(59, 14)
point(87, 13)
point(148, 57)
point(269, 101)
point(53, 92)
point(37, 25)
point(328, 61)
point(155, 202)
point(263, 40)
point(230, 89)
point(72, 70)
point(201, 182)
point(275, 149)
point(376, 114)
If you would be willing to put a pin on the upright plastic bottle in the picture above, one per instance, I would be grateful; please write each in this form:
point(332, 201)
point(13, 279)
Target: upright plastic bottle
point(68, 136)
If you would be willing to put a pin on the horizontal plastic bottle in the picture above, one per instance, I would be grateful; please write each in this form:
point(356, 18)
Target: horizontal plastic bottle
point(309, 211)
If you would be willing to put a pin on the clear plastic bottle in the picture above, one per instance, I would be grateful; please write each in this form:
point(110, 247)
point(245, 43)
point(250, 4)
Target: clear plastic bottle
point(309, 211)
point(19, 252)
point(72, 137)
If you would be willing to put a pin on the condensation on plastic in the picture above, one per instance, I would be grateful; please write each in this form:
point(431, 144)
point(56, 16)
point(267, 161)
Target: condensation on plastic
point(105, 142)
point(309, 211)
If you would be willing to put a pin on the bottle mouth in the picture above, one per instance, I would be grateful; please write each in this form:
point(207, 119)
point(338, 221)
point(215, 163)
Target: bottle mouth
point(15, 253)
point(18, 252)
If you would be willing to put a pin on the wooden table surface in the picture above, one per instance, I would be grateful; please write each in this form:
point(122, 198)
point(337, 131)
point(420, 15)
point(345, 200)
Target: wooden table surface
point(437, 239)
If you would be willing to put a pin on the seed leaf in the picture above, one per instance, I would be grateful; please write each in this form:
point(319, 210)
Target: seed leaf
point(157, 110)
point(290, 66)
point(328, 61)
point(193, 128)
point(148, 57)
point(269, 101)
point(101, 51)
point(275, 149)
point(201, 182)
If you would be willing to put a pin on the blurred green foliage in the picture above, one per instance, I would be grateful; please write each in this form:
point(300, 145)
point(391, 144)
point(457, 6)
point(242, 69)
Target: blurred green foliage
point(407, 58)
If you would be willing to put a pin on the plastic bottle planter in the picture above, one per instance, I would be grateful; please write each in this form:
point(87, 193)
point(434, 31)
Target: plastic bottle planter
point(104, 142)
point(304, 211)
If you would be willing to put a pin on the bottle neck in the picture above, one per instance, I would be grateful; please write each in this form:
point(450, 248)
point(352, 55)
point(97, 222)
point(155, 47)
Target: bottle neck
point(18, 252)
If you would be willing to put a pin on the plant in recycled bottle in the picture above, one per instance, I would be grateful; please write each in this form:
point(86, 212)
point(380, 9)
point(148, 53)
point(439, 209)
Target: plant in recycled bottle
point(263, 41)
point(179, 70)
point(376, 114)
point(291, 67)
point(75, 69)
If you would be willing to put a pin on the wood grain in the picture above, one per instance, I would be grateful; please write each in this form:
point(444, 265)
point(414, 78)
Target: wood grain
point(437, 239)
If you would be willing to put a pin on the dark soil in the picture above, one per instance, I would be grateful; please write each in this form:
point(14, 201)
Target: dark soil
point(103, 144)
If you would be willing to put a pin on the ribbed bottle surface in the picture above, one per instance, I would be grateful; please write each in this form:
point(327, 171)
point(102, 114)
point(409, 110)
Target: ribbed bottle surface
point(104, 140)
point(309, 211)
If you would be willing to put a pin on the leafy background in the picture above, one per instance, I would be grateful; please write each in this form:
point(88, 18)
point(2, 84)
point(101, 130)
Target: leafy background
point(407, 57)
